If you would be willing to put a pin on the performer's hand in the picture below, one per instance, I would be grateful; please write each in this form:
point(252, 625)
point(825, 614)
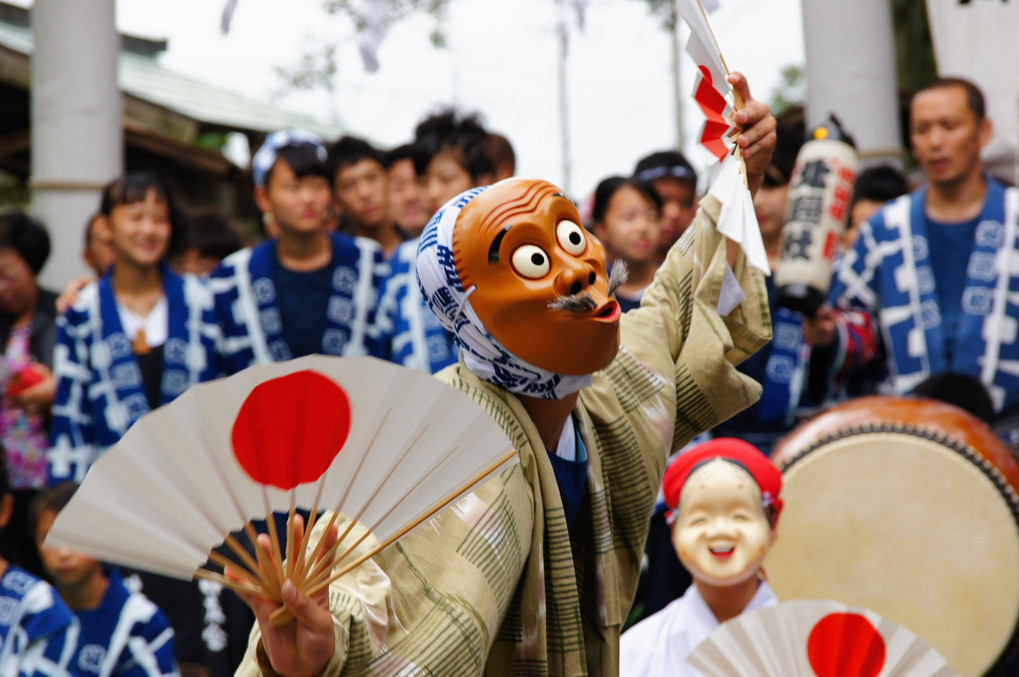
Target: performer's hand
point(820, 329)
point(304, 646)
point(756, 136)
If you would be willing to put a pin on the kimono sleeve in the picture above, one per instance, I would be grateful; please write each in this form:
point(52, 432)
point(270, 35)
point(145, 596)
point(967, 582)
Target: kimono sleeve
point(698, 319)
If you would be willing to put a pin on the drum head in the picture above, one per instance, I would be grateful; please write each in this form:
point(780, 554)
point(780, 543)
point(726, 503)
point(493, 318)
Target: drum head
point(912, 523)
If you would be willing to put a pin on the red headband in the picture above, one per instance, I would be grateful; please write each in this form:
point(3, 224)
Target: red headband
point(767, 476)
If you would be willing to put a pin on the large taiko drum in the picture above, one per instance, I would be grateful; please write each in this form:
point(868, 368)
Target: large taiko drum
point(907, 507)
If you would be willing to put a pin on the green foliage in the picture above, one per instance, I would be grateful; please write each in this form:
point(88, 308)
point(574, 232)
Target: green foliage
point(791, 90)
point(397, 11)
point(212, 140)
point(664, 11)
point(316, 68)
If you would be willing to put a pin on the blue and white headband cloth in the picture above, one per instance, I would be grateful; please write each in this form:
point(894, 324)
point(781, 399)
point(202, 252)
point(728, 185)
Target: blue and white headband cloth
point(266, 156)
point(483, 354)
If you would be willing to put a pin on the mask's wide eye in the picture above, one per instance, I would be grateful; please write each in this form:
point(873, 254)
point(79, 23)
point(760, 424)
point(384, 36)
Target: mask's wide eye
point(571, 237)
point(530, 261)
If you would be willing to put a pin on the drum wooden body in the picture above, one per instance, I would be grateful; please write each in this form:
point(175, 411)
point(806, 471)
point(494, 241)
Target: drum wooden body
point(907, 507)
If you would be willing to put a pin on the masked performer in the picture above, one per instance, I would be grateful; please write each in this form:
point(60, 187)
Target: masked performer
point(535, 571)
point(724, 500)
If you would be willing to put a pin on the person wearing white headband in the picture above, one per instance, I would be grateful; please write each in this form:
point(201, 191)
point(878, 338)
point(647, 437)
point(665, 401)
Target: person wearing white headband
point(534, 572)
point(305, 290)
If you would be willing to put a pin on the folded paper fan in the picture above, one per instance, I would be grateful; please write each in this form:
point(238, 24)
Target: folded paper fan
point(816, 638)
point(384, 445)
point(712, 91)
point(718, 100)
point(737, 218)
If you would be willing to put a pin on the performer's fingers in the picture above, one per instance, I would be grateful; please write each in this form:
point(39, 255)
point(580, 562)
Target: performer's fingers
point(330, 537)
point(298, 529)
point(740, 84)
point(265, 543)
point(261, 606)
point(754, 121)
point(308, 611)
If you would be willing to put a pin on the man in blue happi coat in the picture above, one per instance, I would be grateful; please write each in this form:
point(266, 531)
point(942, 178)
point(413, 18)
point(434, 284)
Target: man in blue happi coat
point(939, 268)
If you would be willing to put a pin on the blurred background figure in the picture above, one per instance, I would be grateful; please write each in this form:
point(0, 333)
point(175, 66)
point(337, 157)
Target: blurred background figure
point(772, 197)
point(627, 219)
point(406, 206)
point(504, 159)
point(27, 334)
point(209, 237)
point(360, 185)
point(121, 633)
point(450, 156)
point(874, 187)
point(674, 179)
point(98, 250)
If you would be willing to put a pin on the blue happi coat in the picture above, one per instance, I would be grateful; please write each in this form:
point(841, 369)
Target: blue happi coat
point(38, 632)
point(409, 331)
point(125, 636)
point(889, 273)
point(100, 393)
point(244, 288)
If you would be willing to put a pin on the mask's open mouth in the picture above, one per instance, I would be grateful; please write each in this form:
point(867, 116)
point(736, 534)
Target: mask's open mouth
point(609, 311)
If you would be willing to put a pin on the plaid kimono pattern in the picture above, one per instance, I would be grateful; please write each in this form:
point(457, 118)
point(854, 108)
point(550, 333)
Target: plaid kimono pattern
point(245, 297)
point(37, 630)
point(99, 387)
point(125, 635)
point(498, 585)
point(888, 274)
point(408, 330)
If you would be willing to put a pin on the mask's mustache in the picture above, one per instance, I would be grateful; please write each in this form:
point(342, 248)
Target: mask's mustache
point(583, 302)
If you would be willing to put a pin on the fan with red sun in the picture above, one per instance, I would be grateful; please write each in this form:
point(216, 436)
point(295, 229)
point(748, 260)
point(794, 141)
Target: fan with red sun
point(816, 638)
point(382, 445)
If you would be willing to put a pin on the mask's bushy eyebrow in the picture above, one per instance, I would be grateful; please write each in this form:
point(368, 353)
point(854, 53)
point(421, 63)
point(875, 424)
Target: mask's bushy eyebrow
point(493, 249)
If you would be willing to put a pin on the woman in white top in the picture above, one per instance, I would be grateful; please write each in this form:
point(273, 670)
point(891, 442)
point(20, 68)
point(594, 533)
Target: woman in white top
point(133, 340)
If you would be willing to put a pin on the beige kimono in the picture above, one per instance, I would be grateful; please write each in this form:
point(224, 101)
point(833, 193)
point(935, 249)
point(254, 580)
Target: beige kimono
point(496, 585)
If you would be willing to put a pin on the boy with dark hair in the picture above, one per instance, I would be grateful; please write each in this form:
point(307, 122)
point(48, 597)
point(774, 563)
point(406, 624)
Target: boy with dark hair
point(97, 251)
point(674, 179)
point(361, 186)
point(209, 238)
point(503, 157)
point(451, 155)
point(37, 632)
point(307, 290)
point(406, 206)
point(122, 632)
point(874, 187)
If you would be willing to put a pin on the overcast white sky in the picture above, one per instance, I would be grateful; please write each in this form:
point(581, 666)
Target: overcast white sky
point(501, 60)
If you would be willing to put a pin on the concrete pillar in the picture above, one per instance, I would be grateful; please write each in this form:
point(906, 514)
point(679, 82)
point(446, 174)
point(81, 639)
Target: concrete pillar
point(77, 133)
point(850, 53)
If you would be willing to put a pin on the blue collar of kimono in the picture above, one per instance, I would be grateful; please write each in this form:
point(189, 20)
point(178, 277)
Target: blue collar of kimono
point(980, 280)
point(340, 312)
point(124, 370)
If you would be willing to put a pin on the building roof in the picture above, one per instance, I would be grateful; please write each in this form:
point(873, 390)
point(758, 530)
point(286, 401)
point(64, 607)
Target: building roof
point(215, 108)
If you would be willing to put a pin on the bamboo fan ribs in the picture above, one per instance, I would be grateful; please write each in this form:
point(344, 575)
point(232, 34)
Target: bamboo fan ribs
point(384, 446)
point(816, 638)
